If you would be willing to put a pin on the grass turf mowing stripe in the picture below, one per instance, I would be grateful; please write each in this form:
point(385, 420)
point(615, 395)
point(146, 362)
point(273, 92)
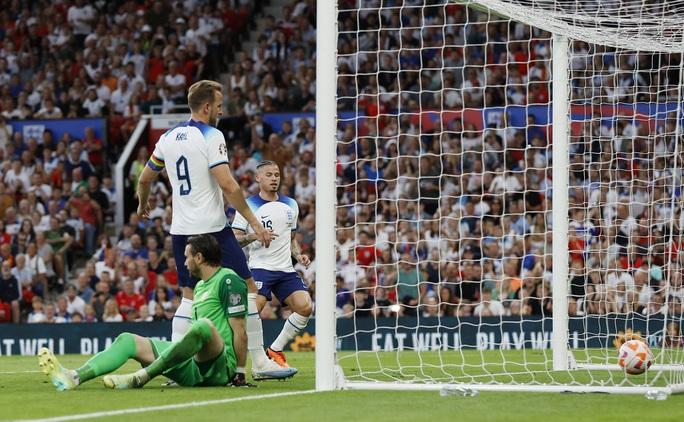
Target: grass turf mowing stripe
point(18, 372)
point(167, 407)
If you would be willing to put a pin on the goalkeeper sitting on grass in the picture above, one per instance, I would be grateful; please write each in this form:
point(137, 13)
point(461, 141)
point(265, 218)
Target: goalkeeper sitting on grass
point(212, 353)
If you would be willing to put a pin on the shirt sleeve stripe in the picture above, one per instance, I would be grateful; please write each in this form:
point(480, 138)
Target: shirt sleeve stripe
point(218, 163)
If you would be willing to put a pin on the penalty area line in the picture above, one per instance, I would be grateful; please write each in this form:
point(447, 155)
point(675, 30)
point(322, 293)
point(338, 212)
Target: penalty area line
point(167, 407)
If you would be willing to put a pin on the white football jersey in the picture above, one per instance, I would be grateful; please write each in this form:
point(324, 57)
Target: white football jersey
point(188, 152)
point(279, 216)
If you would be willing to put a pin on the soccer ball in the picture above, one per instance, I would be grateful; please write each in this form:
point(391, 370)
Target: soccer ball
point(635, 357)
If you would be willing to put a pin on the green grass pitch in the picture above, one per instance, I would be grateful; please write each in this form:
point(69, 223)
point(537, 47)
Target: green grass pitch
point(25, 393)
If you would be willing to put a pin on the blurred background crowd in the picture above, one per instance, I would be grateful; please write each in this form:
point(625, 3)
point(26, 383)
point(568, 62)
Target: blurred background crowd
point(447, 219)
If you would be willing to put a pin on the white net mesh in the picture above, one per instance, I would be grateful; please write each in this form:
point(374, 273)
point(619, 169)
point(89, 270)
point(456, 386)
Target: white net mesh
point(654, 25)
point(444, 192)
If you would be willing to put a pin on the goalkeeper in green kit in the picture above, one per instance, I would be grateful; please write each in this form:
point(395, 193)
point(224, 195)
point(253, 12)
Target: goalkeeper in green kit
point(212, 353)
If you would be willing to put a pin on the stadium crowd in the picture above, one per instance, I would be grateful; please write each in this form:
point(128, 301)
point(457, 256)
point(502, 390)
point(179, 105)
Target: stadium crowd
point(447, 216)
point(449, 221)
point(113, 60)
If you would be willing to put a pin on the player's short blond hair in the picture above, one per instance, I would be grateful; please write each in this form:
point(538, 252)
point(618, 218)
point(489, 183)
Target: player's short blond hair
point(264, 163)
point(202, 92)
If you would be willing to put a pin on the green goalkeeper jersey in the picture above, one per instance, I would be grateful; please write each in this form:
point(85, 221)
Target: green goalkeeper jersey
point(222, 296)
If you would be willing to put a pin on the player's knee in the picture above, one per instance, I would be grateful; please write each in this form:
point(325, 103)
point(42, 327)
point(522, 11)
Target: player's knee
point(305, 309)
point(260, 303)
point(201, 330)
point(126, 338)
point(126, 344)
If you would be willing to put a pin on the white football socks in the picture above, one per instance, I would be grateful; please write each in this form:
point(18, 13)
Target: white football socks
point(293, 326)
point(181, 320)
point(255, 334)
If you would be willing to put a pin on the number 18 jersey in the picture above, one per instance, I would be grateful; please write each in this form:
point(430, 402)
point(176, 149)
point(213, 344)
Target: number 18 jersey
point(188, 152)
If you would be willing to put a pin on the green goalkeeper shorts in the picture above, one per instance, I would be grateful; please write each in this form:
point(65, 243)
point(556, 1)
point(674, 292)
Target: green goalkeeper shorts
point(217, 372)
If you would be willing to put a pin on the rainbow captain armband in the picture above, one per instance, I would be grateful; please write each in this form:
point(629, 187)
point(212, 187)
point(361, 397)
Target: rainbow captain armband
point(155, 163)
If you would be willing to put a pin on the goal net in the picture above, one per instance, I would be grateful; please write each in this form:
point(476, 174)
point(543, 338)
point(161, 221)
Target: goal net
point(477, 243)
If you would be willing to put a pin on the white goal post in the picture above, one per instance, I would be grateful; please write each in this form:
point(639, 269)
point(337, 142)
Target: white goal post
point(620, 137)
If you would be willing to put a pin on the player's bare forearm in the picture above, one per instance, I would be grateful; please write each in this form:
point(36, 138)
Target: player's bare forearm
point(147, 177)
point(238, 201)
point(243, 238)
point(297, 252)
point(295, 248)
point(144, 189)
point(239, 340)
point(232, 191)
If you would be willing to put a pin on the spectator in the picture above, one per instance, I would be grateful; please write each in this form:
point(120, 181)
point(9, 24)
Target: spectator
point(97, 194)
point(111, 312)
point(100, 301)
point(91, 215)
point(53, 265)
point(121, 97)
point(62, 313)
point(175, 82)
point(144, 315)
point(81, 18)
point(488, 306)
point(343, 295)
point(17, 179)
point(84, 291)
point(75, 304)
point(37, 268)
point(37, 314)
point(49, 110)
point(22, 274)
point(76, 160)
point(93, 104)
point(408, 285)
point(137, 250)
point(60, 239)
point(51, 315)
point(9, 294)
point(90, 315)
point(128, 301)
point(160, 314)
point(94, 148)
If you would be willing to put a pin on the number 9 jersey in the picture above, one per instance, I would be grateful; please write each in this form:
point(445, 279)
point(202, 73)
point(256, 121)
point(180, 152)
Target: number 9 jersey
point(188, 152)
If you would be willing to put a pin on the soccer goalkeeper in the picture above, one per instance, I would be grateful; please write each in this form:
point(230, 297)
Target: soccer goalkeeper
point(212, 353)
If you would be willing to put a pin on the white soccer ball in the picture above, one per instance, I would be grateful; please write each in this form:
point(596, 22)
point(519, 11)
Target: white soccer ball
point(635, 357)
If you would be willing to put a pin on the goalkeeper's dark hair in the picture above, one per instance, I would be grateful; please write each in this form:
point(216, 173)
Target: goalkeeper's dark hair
point(206, 245)
point(264, 163)
point(202, 92)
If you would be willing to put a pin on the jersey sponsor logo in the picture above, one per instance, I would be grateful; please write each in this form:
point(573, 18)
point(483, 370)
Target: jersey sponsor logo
point(234, 299)
point(228, 281)
point(182, 136)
